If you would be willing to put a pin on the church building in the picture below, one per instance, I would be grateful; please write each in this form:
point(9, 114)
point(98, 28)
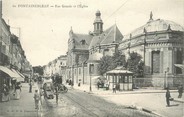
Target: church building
point(159, 42)
point(86, 50)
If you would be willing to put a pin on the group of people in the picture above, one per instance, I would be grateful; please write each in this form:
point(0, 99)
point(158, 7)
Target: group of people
point(5, 93)
point(15, 88)
point(37, 96)
point(70, 82)
point(168, 95)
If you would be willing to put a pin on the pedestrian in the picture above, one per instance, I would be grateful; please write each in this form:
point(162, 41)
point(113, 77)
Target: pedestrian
point(30, 86)
point(17, 90)
point(18, 86)
point(98, 84)
point(57, 93)
point(79, 83)
point(114, 88)
point(70, 82)
point(168, 96)
point(36, 98)
point(180, 90)
point(6, 96)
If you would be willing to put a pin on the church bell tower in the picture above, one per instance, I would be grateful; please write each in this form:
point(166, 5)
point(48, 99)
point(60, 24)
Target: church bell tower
point(98, 24)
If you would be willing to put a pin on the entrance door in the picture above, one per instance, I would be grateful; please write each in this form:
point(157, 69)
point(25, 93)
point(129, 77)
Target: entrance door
point(155, 62)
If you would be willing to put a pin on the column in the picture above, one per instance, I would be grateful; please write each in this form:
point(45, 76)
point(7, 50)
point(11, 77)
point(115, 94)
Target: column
point(150, 61)
point(161, 61)
point(170, 60)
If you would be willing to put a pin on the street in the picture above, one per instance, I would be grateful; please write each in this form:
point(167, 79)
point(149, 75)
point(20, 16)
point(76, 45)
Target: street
point(82, 104)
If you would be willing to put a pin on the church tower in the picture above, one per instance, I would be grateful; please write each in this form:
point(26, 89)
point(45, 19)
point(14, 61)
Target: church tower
point(98, 24)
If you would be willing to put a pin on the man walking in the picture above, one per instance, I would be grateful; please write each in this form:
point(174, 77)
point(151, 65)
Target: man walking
point(180, 90)
point(168, 97)
point(114, 88)
point(30, 86)
point(57, 93)
point(36, 98)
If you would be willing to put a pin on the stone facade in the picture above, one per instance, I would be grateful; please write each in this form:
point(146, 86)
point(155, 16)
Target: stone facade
point(161, 44)
point(85, 50)
point(57, 66)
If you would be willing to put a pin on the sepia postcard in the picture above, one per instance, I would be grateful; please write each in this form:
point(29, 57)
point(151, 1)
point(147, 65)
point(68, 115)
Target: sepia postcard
point(91, 58)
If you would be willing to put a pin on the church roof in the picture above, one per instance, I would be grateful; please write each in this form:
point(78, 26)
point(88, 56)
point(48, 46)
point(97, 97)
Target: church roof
point(111, 35)
point(82, 41)
point(156, 25)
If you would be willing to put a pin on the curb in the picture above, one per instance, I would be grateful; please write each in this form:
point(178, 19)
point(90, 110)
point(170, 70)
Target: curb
point(120, 93)
point(145, 110)
point(178, 101)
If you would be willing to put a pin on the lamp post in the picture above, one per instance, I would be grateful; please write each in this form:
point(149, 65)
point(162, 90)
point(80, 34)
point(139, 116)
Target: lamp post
point(90, 71)
point(166, 79)
point(144, 50)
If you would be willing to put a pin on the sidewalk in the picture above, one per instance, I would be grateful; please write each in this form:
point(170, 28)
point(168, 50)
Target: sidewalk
point(24, 107)
point(149, 100)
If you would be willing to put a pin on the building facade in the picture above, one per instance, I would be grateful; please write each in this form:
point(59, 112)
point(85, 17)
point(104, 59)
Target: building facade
point(161, 45)
point(12, 57)
point(159, 42)
point(86, 50)
point(57, 66)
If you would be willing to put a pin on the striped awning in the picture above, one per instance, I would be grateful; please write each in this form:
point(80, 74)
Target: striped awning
point(18, 75)
point(12, 74)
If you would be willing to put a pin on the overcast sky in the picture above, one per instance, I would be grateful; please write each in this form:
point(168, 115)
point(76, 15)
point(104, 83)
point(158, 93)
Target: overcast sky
point(45, 31)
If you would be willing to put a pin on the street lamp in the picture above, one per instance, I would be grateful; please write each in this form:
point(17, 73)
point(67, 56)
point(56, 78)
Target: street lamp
point(145, 31)
point(90, 71)
point(166, 80)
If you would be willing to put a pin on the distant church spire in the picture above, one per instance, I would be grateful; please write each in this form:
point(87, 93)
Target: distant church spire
point(98, 24)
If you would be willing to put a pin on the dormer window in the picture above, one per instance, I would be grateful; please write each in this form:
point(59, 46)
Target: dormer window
point(83, 42)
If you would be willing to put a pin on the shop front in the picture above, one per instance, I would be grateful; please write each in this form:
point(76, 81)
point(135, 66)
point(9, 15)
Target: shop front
point(6, 78)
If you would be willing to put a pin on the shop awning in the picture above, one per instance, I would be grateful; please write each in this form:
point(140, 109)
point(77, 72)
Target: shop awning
point(12, 74)
point(8, 71)
point(179, 65)
point(18, 74)
point(21, 74)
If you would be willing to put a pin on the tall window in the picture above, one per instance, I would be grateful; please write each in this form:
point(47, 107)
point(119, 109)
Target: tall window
point(155, 62)
point(97, 26)
point(79, 71)
point(179, 56)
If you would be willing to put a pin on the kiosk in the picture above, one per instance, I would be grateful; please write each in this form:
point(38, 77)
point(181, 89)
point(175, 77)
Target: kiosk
point(121, 78)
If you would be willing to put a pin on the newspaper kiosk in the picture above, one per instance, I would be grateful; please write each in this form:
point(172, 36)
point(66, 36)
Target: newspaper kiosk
point(121, 78)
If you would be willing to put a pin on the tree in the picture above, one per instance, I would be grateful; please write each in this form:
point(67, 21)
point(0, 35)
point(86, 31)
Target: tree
point(119, 59)
point(38, 69)
point(134, 63)
point(108, 63)
point(105, 64)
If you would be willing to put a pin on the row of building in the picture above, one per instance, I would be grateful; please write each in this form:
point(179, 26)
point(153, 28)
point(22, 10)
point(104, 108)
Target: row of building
point(57, 66)
point(159, 42)
point(13, 62)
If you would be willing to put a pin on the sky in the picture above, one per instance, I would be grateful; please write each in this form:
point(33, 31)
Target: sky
point(44, 32)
